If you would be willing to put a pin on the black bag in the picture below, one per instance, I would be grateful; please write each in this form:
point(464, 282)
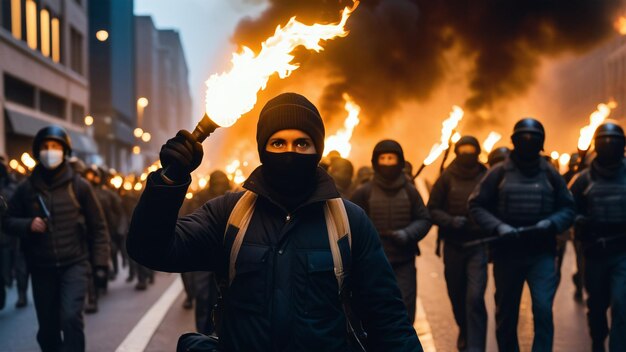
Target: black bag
point(196, 342)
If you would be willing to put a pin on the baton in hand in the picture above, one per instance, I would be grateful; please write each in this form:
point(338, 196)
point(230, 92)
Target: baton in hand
point(44, 210)
point(520, 231)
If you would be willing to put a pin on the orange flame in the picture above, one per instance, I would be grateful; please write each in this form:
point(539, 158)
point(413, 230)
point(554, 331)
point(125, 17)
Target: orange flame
point(491, 141)
point(447, 128)
point(231, 94)
point(340, 141)
point(620, 25)
point(595, 119)
point(234, 172)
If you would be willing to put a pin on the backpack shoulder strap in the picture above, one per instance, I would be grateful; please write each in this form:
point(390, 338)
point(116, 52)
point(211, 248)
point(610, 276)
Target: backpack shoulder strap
point(339, 238)
point(239, 219)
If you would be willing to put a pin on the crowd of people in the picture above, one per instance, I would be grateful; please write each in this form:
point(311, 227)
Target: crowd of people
point(308, 254)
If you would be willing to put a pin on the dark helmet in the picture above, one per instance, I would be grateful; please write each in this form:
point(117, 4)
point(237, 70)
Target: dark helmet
point(388, 146)
point(609, 129)
point(530, 125)
point(497, 155)
point(53, 132)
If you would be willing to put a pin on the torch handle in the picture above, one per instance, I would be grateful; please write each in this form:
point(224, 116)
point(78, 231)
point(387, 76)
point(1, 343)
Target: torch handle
point(203, 129)
point(419, 171)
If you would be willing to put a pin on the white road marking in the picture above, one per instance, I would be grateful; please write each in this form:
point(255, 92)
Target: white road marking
point(137, 340)
point(422, 327)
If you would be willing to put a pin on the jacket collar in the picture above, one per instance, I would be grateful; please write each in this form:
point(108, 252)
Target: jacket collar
point(325, 188)
point(64, 175)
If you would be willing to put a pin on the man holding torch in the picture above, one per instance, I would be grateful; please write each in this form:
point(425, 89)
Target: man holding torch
point(526, 202)
point(273, 244)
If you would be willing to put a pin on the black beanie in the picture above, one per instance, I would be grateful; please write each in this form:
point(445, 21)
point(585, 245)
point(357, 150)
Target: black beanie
point(290, 111)
point(388, 146)
point(467, 140)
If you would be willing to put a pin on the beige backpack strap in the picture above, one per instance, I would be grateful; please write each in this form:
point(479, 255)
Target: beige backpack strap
point(338, 227)
point(240, 219)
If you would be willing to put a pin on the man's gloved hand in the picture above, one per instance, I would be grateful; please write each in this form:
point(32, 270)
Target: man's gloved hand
point(506, 230)
point(101, 276)
point(544, 225)
point(459, 222)
point(181, 155)
point(401, 237)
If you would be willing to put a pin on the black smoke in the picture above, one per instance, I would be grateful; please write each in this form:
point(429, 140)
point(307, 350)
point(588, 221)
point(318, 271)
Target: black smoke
point(395, 50)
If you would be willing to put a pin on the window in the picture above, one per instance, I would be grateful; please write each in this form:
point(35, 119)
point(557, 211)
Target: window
point(76, 51)
point(51, 104)
point(56, 40)
point(18, 91)
point(78, 114)
point(45, 32)
point(31, 24)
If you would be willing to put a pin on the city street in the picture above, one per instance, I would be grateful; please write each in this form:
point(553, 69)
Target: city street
point(122, 309)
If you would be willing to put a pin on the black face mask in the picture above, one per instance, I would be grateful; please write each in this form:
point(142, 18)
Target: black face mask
point(290, 174)
point(390, 172)
point(610, 150)
point(528, 145)
point(467, 160)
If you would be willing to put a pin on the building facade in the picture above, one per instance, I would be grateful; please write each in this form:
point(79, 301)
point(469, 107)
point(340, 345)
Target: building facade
point(162, 79)
point(112, 72)
point(44, 73)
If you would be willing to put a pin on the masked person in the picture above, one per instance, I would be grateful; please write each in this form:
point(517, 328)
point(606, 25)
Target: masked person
point(497, 155)
point(465, 266)
point(398, 213)
point(525, 201)
point(342, 170)
point(283, 293)
point(61, 225)
point(600, 195)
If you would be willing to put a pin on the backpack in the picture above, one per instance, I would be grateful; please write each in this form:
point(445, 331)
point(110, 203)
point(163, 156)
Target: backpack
point(338, 228)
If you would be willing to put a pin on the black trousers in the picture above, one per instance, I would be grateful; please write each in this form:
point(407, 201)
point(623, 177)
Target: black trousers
point(59, 295)
point(466, 278)
point(406, 274)
point(605, 281)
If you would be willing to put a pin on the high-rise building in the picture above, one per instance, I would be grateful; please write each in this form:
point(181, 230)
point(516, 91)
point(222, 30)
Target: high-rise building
point(112, 71)
point(162, 79)
point(44, 66)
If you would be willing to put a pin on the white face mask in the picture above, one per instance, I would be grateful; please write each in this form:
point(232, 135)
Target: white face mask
point(51, 158)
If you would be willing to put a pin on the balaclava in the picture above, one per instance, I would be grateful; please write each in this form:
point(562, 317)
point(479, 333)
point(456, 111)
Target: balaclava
point(467, 160)
point(388, 172)
point(291, 175)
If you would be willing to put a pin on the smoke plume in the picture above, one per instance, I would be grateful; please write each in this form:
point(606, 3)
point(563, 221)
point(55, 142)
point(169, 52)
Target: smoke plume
point(396, 50)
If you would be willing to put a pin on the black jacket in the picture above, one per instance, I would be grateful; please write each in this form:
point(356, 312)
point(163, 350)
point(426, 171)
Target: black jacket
point(601, 205)
point(416, 222)
point(448, 199)
point(487, 198)
point(77, 228)
point(285, 295)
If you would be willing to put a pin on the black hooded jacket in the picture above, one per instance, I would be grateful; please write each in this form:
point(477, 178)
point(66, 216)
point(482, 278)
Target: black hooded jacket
point(284, 296)
point(77, 228)
point(448, 199)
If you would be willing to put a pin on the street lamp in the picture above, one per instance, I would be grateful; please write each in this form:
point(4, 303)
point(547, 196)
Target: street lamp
point(88, 120)
point(143, 102)
point(102, 35)
point(146, 137)
point(138, 132)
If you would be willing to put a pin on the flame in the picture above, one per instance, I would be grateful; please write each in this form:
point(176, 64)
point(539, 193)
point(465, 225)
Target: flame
point(595, 119)
point(447, 128)
point(455, 137)
point(491, 141)
point(564, 160)
point(28, 161)
point(340, 141)
point(117, 181)
point(231, 94)
point(235, 173)
point(138, 186)
point(555, 155)
point(202, 182)
point(620, 25)
point(189, 195)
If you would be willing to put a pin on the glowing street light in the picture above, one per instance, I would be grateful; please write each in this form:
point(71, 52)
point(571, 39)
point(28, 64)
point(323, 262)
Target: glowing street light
point(142, 102)
point(102, 35)
point(136, 150)
point(138, 132)
point(146, 137)
point(88, 120)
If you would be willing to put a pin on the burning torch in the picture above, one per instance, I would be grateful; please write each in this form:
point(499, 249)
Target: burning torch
point(231, 94)
point(586, 133)
point(448, 126)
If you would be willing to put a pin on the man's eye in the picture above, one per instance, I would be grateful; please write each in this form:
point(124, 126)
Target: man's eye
point(303, 144)
point(277, 144)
